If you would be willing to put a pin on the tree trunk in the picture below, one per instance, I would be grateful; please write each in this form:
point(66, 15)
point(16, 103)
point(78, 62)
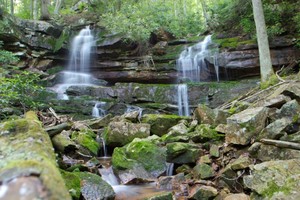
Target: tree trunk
point(57, 6)
point(266, 70)
point(12, 7)
point(28, 158)
point(35, 9)
point(45, 15)
point(204, 10)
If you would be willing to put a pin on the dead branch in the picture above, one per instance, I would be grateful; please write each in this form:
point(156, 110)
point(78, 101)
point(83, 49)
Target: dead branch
point(281, 144)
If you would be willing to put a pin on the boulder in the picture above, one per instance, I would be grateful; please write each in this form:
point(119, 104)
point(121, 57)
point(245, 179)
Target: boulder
point(136, 175)
point(202, 192)
point(204, 114)
point(63, 143)
point(204, 133)
point(203, 171)
point(87, 139)
point(160, 124)
point(181, 153)
point(122, 132)
point(239, 196)
point(177, 133)
point(244, 126)
point(275, 179)
point(265, 152)
point(290, 109)
point(276, 129)
point(141, 152)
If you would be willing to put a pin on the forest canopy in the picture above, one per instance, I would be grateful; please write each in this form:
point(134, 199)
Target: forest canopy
point(139, 18)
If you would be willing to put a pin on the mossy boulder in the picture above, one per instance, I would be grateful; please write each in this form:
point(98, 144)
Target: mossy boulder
point(161, 123)
point(177, 133)
point(203, 171)
point(91, 186)
point(141, 152)
point(121, 133)
point(86, 139)
point(181, 153)
point(275, 179)
point(204, 133)
point(27, 154)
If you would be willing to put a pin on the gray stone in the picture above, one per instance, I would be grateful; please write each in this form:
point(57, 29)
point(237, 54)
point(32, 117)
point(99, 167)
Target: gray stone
point(243, 126)
point(203, 171)
point(204, 114)
point(290, 109)
point(121, 133)
point(276, 129)
point(269, 152)
point(204, 133)
point(239, 196)
point(177, 133)
point(275, 179)
point(214, 151)
point(292, 138)
point(203, 193)
point(161, 196)
point(136, 175)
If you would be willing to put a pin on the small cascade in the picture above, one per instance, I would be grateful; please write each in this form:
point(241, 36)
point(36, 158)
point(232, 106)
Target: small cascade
point(182, 100)
point(216, 65)
point(98, 110)
point(79, 64)
point(170, 169)
point(108, 175)
point(192, 62)
point(131, 108)
point(101, 141)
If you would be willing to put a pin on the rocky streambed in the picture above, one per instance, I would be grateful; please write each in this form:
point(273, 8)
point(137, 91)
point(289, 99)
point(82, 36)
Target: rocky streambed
point(248, 148)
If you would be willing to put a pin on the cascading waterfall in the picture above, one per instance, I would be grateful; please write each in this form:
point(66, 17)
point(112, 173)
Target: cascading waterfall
point(108, 175)
point(191, 61)
point(182, 100)
point(101, 141)
point(170, 169)
point(98, 110)
point(79, 65)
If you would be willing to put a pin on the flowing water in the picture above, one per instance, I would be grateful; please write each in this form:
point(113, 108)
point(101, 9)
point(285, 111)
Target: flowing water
point(98, 110)
point(182, 100)
point(79, 64)
point(170, 169)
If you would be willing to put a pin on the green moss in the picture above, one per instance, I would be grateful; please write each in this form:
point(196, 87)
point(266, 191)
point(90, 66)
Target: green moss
point(272, 81)
point(55, 70)
point(233, 42)
point(204, 133)
point(87, 140)
point(72, 182)
point(274, 188)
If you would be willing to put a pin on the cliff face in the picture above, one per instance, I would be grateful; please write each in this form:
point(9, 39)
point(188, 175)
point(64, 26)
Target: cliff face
point(42, 46)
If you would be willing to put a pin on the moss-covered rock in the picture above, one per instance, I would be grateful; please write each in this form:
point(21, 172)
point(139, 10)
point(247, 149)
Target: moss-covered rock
point(204, 133)
point(73, 183)
point(161, 123)
point(122, 132)
point(143, 152)
point(275, 179)
point(181, 153)
point(26, 150)
point(203, 171)
point(86, 139)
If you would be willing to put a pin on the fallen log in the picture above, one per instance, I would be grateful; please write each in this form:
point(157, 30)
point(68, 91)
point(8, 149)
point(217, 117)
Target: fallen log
point(281, 144)
point(28, 162)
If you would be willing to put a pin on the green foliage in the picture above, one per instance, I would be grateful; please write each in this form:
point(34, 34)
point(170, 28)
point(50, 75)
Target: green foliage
point(57, 44)
point(21, 90)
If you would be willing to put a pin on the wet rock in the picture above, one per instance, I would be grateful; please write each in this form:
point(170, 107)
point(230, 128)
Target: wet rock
point(171, 182)
point(275, 179)
point(203, 193)
point(141, 152)
point(182, 153)
point(243, 126)
point(203, 171)
point(265, 152)
point(122, 133)
point(136, 175)
point(239, 196)
point(63, 143)
point(161, 123)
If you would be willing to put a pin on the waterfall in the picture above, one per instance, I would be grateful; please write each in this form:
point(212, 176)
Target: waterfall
point(108, 175)
point(182, 100)
point(98, 110)
point(101, 141)
point(191, 61)
point(216, 65)
point(79, 64)
point(170, 169)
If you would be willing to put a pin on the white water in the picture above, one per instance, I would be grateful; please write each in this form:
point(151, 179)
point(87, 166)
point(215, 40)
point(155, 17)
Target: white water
point(191, 61)
point(98, 110)
point(79, 64)
point(170, 169)
point(101, 141)
point(108, 175)
point(182, 100)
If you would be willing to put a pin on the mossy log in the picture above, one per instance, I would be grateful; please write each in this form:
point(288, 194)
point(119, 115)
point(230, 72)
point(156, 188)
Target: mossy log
point(27, 165)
